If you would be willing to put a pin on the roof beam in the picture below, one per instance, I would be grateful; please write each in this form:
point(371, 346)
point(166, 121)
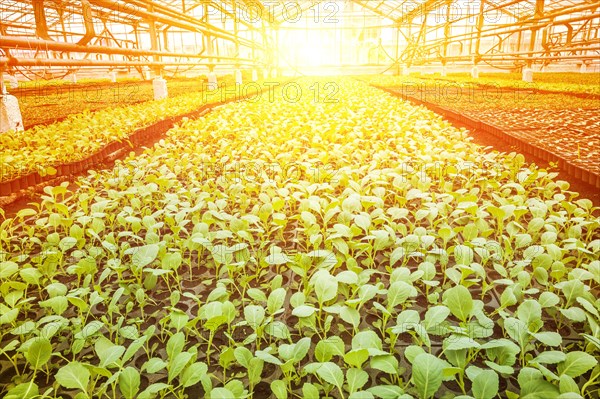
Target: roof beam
point(170, 17)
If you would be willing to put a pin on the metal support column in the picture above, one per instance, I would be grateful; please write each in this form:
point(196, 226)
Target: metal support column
point(154, 39)
point(480, 22)
point(41, 26)
point(539, 12)
point(446, 37)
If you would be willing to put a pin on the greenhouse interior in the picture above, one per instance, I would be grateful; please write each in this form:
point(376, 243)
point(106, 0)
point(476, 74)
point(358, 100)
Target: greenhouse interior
point(344, 199)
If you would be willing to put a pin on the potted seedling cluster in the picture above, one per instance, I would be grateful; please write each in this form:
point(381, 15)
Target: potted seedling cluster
point(380, 278)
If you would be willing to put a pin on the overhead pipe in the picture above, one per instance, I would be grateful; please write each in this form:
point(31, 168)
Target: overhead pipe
point(491, 31)
point(176, 14)
point(524, 57)
point(90, 33)
point(39, 14)
point(205, 28)
point(51, 62)
point(24, 43)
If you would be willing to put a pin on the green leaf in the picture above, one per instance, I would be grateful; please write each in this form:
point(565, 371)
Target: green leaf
point(171, 261)
point(267, 357)
point(571, 289)
point(412, 351)
point(277, 258)
point(356, 379)
point(129, 382)
point(574, 313)
point(236, 387)
point(90, 329)
point(463, 255)
point(568, 385)
point(577, 363)
point(276, 300)
point(221, 393)
point(279, 389)
point(143, 256)
point(548, 299)
point(154, 365)
point(255, 370)
point(550, 357)
point(458, 299)
point(434, 316)
point(175, 345)
point(67, 243)
point(397, 254)
point(427, 374)
point(485, 385)
point(73, 376)
point(7, 269)
point(135, 346)
point(257, 295)
point(254, 315)
point(193, 374)
point(301, 349)
point(243, 356)
point(39, 352)
point(347, 277)
point(356, 357)
point(177, 364)
point(107, 352)
point(361, 395)
point(386, 363)
point(25, 390)
point(326, 349)
point(350, 316)
point(548, 338)
point(517, 330)
point(303, 311)
point(332, 374)
point(368, 340)
point(530, 312)
point(457, 342)
point(326, 288)
point(500, 369)
point(363, 221)
point(153, 390)
point(386, 391)
point(534, 386)
point(310, 391)
point(399, 292)
point(226, 357)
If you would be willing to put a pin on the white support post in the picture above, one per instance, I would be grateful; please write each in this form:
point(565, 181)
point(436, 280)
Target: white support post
point(475, 72)
point(238, 77)
point(146, 74)
point(254, 75)
point(160, 88)
point(528, 75)
point(10, 114)
point(113, 77)
point(13, 83)
point(444, 71)
point(73, 77)
point(583, 68)
point(213, 83)
point(405, 70)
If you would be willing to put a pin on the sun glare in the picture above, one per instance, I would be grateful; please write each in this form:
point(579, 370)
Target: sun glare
point(302, 48)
